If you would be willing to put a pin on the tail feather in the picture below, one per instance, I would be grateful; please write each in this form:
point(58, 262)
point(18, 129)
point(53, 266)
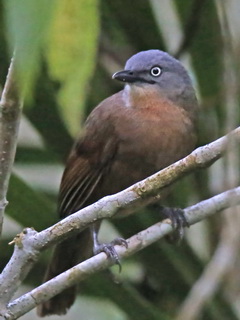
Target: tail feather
point(59, 304)
point(66, 255)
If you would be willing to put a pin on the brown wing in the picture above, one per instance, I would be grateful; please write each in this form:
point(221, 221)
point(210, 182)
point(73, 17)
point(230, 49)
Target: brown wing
point(77, 185)
point(89, 160)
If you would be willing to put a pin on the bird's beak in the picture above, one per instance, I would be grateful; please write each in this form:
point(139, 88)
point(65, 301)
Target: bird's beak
point(126, 76)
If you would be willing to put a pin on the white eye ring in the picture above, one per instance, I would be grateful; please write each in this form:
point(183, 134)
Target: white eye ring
point(155, 71)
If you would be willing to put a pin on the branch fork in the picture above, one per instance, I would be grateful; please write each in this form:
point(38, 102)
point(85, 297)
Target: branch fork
point(30, 243)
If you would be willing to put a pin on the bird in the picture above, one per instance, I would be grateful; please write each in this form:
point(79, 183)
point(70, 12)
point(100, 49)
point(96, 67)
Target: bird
point(145, 127)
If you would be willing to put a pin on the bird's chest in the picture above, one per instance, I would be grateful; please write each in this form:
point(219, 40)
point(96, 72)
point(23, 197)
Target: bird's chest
point(147, 141)
point(153, 139)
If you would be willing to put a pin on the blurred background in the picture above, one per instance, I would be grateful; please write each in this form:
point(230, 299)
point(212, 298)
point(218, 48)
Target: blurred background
point(67, 53)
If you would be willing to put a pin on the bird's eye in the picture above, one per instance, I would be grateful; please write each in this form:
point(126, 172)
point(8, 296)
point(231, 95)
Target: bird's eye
point(155, 71)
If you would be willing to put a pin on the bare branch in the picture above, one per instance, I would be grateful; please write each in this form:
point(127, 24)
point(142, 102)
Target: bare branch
point(10, 111)
point(30, 243)
point(99, 262)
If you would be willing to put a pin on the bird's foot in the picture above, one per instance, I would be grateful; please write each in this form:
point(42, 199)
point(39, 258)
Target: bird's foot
point(110, 251)
point(179, 222)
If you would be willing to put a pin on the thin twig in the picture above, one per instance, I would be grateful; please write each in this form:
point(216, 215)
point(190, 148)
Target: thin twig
point(10, 111)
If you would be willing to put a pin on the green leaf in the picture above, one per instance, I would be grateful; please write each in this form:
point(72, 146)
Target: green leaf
point(206, 47)
point(45, 117)
point(70, 52)
point(135, 20)
point(131, 301)
point(27, 22)
point(28, 207)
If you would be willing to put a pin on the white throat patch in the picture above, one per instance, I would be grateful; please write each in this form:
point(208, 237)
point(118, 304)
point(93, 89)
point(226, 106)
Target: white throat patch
point(127, 95)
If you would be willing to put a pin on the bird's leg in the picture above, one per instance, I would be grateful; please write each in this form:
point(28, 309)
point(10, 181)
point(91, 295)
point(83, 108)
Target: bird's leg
point(179, 222)
point(108, 248)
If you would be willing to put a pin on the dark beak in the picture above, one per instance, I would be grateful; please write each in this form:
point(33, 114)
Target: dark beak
point(126, 76)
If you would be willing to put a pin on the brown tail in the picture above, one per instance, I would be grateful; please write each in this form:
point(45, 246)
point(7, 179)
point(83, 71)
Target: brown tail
point(66, 255)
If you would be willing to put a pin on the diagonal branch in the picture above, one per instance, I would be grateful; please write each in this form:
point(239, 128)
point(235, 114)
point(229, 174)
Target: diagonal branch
point(30, 243)
point(10, 111)
point(99, 262)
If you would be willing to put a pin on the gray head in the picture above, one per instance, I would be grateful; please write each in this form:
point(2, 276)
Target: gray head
point(159, 69)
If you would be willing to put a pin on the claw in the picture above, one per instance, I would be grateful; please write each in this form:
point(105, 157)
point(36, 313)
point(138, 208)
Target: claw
point(179, 222)
point(120, 242)
point(110, 251)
